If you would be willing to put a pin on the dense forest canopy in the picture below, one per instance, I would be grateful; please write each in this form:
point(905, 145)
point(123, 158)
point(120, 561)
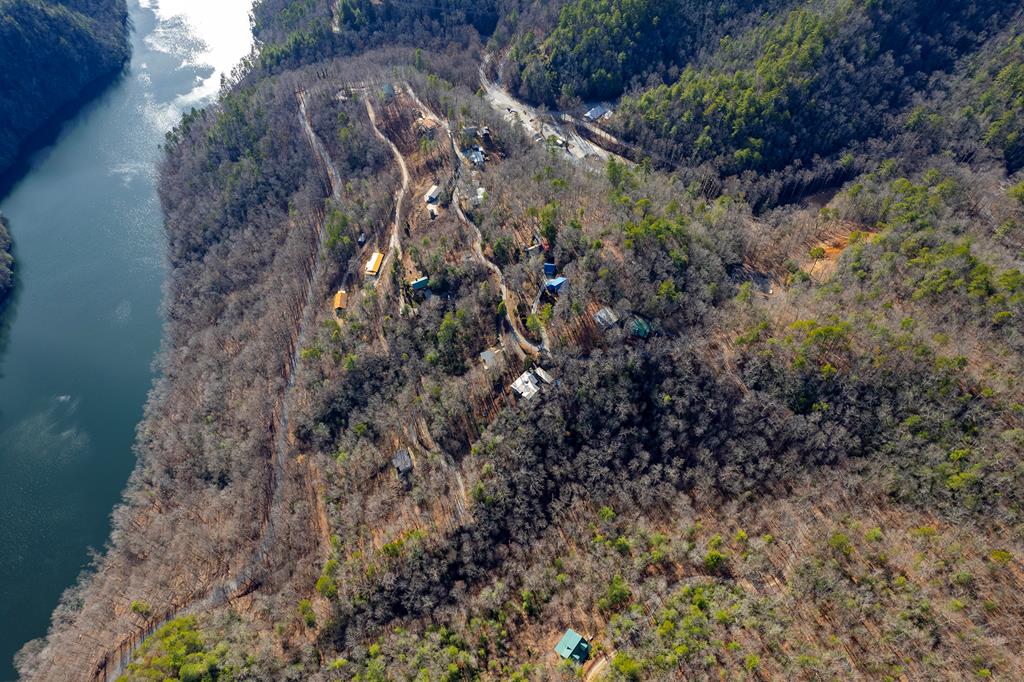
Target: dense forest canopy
point(820, 77)
point(599, 48)
point(51, 51)
point(769, 426)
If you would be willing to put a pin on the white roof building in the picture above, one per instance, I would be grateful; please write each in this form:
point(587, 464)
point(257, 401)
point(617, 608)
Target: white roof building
point(597, 113)
point(526, 385)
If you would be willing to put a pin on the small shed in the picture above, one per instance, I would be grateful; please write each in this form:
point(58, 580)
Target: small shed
point(476, 157)
point(362, 239)
point(597, 113)
point(432, 195)
point(639, 327)
point(555, 285)
point(526, 385)
point(573, 646)
point(479, 197)
point(606, 318)
point(419, 284)
point(427, 126)
point(340, 302)
point(534, 249)
point(489, 358)
point(543, 375)
point(373, 265)
point(402, 462)
point(549, 269)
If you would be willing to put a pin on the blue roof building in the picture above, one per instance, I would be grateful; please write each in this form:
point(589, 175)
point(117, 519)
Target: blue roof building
point(549, 269)
point(555, 285)
point(574, 646)
point(419, 284)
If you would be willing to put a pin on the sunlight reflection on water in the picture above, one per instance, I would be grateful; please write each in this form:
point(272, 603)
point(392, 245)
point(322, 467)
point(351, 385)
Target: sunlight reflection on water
point(203, 34)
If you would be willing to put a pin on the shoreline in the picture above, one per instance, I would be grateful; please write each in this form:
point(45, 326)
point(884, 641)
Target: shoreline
point(49, 132)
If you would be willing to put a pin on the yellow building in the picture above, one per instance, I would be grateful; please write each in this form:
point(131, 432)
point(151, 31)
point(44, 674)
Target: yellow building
point(373, 265)
point(340, 302)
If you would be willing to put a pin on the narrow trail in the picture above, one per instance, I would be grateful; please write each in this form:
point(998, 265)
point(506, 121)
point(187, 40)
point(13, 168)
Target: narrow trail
point(534, 308)
point(243, 582)
point(247, 579)
point(395, 241)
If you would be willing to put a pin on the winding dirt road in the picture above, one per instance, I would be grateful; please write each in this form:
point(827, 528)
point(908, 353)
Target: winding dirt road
point(518, 335)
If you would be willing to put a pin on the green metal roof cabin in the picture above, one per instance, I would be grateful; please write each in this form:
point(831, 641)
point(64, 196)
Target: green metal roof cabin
point(640, 328)
point(573, 646)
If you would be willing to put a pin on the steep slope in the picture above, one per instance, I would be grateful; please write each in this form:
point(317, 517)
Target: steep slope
point(740, 440)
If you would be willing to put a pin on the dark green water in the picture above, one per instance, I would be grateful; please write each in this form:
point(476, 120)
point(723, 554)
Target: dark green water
point(79, 338)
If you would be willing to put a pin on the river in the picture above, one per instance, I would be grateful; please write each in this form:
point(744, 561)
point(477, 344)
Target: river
point(78, 340)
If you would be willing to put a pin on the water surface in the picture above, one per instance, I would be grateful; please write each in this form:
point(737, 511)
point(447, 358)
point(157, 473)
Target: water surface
point(77, 341)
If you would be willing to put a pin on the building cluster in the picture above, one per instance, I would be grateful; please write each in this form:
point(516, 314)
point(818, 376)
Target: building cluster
point(529, 383)
point(474, 140)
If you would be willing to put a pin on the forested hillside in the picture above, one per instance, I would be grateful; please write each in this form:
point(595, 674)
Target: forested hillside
point(814, 80)
point(52, 51)
point(599, 48)
point(770, 425)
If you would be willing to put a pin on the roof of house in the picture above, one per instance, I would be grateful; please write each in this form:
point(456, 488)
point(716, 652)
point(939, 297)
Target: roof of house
point(597, 112)
point(556, 283)
point(640, 327)
point(526, 385)
point(549, 269)
point(606, 317)
point(420, 283)
point(433, 193)
point(373, 265)
point(489, 358)
point(341, 299)
point(569, 642)
point(543, 375)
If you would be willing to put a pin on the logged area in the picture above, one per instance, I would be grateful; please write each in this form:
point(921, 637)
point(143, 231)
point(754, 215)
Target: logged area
point(600, 339)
